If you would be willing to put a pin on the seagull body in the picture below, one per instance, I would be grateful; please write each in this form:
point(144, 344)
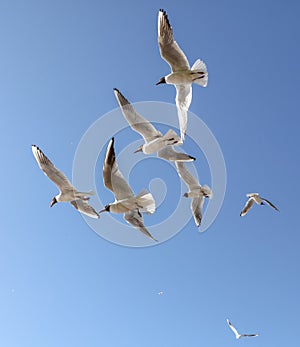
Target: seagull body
point(125, 201)
point(255, 198)
point(182, 76)
point(68, 192)
point(154, 140)
point(237, 335)
point(196, 191)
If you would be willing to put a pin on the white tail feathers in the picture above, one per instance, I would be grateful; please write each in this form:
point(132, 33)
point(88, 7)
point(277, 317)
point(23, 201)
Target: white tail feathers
point(146, 201)
point(171, 137)
point(199, 66)
point(207, 191)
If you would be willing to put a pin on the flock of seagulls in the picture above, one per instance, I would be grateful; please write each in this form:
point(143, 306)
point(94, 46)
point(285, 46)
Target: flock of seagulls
point(126, 202)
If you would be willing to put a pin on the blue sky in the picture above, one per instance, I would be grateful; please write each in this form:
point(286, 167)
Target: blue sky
point(62, 284)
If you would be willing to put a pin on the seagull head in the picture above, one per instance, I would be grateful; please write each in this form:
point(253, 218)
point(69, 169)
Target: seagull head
point(162, 80)
point(105, 209)
point(140, 149)
point(53, 202)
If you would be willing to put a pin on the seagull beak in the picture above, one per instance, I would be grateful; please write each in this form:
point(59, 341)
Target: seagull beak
point(140, 149)
point(162, 80)
point(53, 202)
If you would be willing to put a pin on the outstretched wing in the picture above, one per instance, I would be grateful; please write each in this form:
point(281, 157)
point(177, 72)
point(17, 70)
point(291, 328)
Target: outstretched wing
point(137, 122)
point(112, 177)
point(55, 175)
point(232, 328)
point(169, 49)
point(247, 207)
point(270, 204)
point(196, 207)
point(135, 218)
point(187, 177)
point(183, 102)
point(249, 335)
point(168, 153)
point(85, 208)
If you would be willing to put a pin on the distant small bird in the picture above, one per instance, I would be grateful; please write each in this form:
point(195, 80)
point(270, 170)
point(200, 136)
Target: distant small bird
point(68, 192)
point(154, 140)
point(237, 335)
point(196, 191)
point(125, 201)
point(160, 293)
point(255, 198)
point(182, 75)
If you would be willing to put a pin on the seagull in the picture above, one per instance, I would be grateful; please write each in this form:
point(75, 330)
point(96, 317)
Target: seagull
point(154, 140)
point(237, 335)
point(125, 201)
point(182, 76)
point(255, 198)
point(68, 192)
point(196, 191)
point(160, 293)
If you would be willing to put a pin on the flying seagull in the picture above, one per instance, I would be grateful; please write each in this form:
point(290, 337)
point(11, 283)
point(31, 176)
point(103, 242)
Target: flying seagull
point(196, 191)
point(68, 192)
point(182, 76)
point(154, 140)
point(125, 201)
point(255, 198)
point(237, 335)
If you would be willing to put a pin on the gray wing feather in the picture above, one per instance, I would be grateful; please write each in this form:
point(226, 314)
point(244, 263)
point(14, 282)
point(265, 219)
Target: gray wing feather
point(55, 175)
point(187, 177)
point(112, 177)
point(183, 102)
point(170, 154)
point(137, 122)
point(196, 207)
point(136, 220)
point(169, 49)
point(249, 335)
point(270, 204)
point(232, 328)
point(247, 207)
point(85, 208)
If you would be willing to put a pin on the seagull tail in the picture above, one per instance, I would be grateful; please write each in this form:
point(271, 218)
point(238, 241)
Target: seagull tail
point(207, 191)
point(171, 138)
point(146, 201)
point(200, 67)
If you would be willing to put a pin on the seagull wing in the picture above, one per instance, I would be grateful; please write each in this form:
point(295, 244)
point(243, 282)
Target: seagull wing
point(137, 122)
point(249, 335)
point(196, 207)
point(85, 208)
point(135, 218)
point(247, 207)
point(233, 328)
point(270, 204)
point(55, 175)
point(183, 102)
point(112, 177)
point(187, 177)
point(168, 153)
point(169, 49)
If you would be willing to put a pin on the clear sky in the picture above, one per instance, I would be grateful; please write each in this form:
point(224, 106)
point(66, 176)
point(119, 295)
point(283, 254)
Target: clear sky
point(64, 285)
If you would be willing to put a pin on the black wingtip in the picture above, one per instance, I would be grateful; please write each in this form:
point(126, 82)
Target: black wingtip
point(116, 90)
point(193, 158)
